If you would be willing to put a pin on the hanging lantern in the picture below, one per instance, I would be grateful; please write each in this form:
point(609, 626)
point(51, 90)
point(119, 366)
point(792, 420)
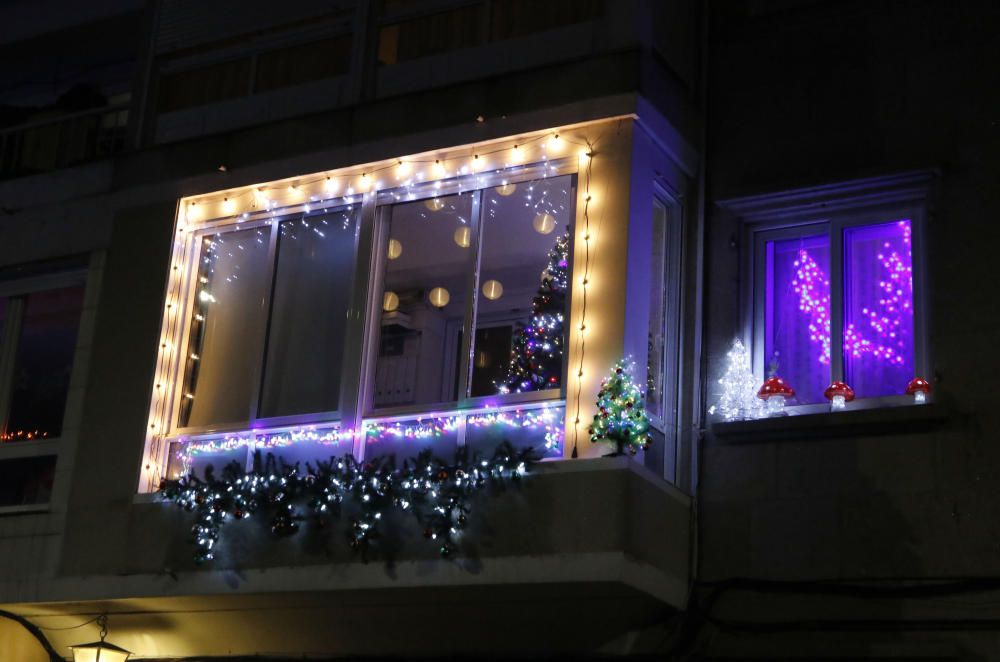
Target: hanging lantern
point(439, 297)
point(918, 388)
point(839, 394)
point(506, 189)
point(543, 223)
point(390, 301)
point(492, 290)
point(434, 204)
point(99, 651)
point(463, 236)
point(395, 249)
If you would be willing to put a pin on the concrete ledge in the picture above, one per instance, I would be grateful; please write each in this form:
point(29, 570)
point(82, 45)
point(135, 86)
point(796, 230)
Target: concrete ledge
point(867, 422)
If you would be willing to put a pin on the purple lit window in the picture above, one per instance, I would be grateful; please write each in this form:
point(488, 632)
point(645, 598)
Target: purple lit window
point(797, 314)
point(876, 331)
point(878, 308)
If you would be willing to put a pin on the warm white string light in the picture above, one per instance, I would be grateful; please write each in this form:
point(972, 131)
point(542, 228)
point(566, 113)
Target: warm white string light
point(237, 203)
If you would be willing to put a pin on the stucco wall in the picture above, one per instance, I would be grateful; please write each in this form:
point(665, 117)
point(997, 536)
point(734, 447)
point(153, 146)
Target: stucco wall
point(811, 94)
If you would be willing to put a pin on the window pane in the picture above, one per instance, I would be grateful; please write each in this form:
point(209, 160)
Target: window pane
point(539, 429)
point(878, 308)
point(44, 362)
point(221, 362)
point(427, 270)
point(428, 35)
point(797, 314)
point(302, 63)
point(207, 84)
point(407, 439)
point(27, 481)
point(523, 278)
point(516, 18)
point(657, 321)
point(312, 288)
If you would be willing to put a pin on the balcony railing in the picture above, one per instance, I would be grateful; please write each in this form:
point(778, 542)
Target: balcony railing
point(64, 141)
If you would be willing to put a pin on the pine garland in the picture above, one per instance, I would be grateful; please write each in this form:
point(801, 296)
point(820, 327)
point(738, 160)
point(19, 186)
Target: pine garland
point(436, 493)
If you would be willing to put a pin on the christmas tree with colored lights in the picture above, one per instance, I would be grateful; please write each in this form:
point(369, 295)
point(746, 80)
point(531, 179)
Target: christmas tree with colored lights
point(621, 413)
point(536, 355)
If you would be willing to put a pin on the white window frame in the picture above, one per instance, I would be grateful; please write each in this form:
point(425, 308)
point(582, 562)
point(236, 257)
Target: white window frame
point(10, 335)
point(670, 289)
point(361, 337)
point(831, 210)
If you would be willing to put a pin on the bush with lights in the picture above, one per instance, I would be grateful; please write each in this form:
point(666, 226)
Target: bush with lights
point(437, 493)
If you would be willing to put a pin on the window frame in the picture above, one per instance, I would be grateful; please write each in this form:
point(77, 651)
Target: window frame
point(10, 333)
point(833, 224)
point(272, 220)
point(371, 213)
point(533, 172)
point(85, 273)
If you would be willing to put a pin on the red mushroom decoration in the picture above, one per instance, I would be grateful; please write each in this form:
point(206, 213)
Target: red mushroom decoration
point(839, 394)
point(918, 388)
point(774, 392)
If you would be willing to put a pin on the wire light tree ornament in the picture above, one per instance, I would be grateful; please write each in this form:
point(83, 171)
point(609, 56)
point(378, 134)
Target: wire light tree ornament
point(738, 400)
point(621, 413)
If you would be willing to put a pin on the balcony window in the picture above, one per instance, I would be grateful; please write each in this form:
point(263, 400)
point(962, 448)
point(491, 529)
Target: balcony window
point(516, 18)
point(420, 36)
point(490, 265)
point(268, 313)
point(419, 315)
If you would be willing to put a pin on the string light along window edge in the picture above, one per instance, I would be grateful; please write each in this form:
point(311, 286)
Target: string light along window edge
point(368, 183)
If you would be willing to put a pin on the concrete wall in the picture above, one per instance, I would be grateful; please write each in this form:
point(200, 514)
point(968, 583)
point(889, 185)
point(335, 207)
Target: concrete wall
point(805, 94)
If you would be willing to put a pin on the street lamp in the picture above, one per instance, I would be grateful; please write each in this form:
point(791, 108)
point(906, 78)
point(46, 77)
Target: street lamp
point(99, 651)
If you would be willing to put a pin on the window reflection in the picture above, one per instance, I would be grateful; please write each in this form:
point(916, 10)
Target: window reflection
point(44, 362)
point(428, 264)
point(228, 312)
point(523, 282)
point(312, 286)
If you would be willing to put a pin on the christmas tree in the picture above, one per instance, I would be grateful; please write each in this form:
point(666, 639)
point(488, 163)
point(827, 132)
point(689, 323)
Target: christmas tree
point(621, 416)
point(739, 388)
point(537, 348)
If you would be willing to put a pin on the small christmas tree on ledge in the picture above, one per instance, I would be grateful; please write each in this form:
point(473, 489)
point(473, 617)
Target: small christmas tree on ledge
point(621, 413)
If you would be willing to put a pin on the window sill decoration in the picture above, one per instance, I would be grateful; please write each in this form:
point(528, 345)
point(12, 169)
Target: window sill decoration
point(436, 493)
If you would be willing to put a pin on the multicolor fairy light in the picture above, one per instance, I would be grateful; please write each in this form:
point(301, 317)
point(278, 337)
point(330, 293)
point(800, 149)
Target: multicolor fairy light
point(547, 421)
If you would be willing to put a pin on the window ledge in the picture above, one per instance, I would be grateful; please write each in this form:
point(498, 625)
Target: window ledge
point(858, 422)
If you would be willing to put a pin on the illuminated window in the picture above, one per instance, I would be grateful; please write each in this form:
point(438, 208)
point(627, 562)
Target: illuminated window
point(835, 300)
point(490, 265)
point(267, 319)
point(39, 320)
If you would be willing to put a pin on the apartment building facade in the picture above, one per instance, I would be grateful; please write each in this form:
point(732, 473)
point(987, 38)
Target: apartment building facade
point(368, 229)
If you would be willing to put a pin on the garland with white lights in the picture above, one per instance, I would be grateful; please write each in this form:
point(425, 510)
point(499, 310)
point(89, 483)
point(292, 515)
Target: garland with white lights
point(436, 493)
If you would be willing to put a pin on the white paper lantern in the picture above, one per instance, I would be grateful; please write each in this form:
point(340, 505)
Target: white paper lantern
point(492, 290)
point(463, 236)
point(506, 189)
point(395, 249)
point(439, 297)
point(434, 204)
point(543, 223)
point(390, 301)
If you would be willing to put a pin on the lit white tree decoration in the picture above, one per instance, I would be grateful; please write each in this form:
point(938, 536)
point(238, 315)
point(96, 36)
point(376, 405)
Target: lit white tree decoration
point(738, 400)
